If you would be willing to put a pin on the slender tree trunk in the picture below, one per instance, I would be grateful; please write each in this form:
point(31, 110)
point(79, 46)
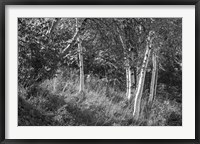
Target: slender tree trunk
point(128, 69)
point(80, 50)
point(135, 76)
point(153, 79)
point(140, 86)
point(54, 84)
point(132, 77)
point(81, 66)
point(133, 83)
point(156, 79)
point(129, 82)
point(75, 36)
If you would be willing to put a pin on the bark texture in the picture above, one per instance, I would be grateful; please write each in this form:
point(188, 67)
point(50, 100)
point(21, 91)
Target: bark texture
point(81, 66)
point(153, 78)
point(140, 86)
point(129, 90)
point(127, 81)
point(132, 76)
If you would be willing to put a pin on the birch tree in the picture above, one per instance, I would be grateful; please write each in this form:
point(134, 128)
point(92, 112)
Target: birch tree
point(81, 66)
point(139, 89)
point(128, 60)
point(132, 74)
point(153, 78)
point(77, 37)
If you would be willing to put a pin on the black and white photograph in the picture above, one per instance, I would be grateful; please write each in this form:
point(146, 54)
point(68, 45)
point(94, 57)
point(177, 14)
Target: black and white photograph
point(93, 71)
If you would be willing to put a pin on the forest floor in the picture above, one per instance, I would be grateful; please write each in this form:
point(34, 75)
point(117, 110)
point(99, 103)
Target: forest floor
point(57, 102)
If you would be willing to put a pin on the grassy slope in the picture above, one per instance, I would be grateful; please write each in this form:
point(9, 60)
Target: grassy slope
point(98, 106)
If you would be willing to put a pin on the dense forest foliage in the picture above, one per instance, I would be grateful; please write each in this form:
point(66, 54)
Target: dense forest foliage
point(100, 71)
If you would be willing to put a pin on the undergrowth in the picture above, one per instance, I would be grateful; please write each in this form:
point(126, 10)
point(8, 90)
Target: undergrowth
point(57, 102)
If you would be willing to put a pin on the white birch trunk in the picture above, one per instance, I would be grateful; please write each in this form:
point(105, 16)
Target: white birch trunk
point(135, 76)
point(129, 83)
point(80, 50)
point(153, 79)
point(140, 86)
point(132, 78)
point(156, 79)
point(81, 66)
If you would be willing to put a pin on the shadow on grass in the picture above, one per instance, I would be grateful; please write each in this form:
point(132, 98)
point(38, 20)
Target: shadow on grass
point(30, 116)
point(47, 109)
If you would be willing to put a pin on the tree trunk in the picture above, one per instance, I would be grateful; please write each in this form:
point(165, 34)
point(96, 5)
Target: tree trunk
point(135, 76)
point(153, 79)
point(127, 67)
point(132, 77)
point(81, 66)
point(129, 82)
point(80, 50)
point(156, 80)
point(139, 89)
point(75, 36)
point(54, 84)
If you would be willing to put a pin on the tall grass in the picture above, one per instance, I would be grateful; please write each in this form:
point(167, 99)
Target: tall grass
point(58, 100)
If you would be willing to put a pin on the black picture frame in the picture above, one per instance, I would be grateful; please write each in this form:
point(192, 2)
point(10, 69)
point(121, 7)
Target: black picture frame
point(3, 3)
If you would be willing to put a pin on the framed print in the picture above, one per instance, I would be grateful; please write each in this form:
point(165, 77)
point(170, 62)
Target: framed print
point(99, 72)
